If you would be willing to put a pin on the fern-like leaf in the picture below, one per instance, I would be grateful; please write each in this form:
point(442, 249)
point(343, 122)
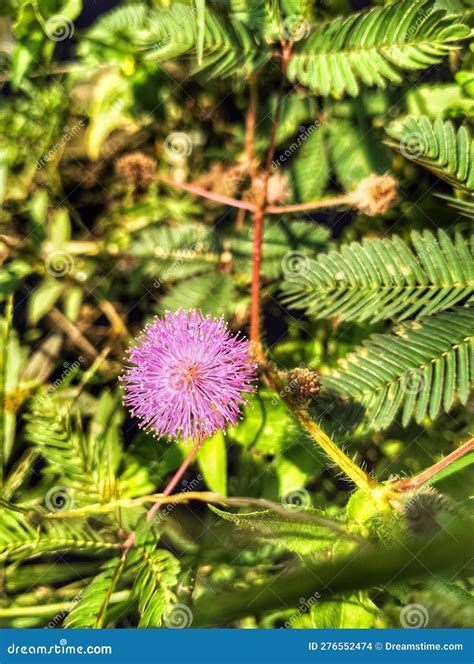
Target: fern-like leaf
point(374, 46)
point(21, 537)
point(437, 146)
point(421, 369)
point(384, 278)
point(156, 575)
point(91, 608)
point(222, 45)
point(63, 445)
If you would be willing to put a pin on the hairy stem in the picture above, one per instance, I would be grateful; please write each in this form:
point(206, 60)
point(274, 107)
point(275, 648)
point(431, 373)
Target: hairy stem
point(418, 480)
point(359, 477)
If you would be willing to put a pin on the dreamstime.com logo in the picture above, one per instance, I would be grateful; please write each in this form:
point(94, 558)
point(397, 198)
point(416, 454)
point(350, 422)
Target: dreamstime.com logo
point(414, 616)
point(59, 27)
point(59, 498)
point(296, 499)
point(178, 616)
point(61, 648)
point(295, 264)
point(68, 135)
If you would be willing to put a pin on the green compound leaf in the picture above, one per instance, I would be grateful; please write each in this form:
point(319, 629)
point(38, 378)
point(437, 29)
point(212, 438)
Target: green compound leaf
point(420, 370)
point(438, 147)
point(374, 47)
point(381, 279)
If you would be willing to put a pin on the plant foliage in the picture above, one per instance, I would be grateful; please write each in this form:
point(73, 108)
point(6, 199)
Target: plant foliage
point(137, 158)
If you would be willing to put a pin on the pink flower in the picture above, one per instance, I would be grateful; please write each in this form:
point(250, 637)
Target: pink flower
point(188, 376)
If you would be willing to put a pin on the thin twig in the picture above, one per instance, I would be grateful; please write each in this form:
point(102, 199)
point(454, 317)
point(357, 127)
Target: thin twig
point(177, 476)
point(338, 201)
point(204, 193)
point(418, 480)
point(73, 333)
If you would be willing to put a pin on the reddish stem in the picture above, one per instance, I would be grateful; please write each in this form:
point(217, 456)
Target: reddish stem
point(176, 477)
point(204, 193)
point(422, 478)
point(256, 278)
point(306, 207)
point(259, 212)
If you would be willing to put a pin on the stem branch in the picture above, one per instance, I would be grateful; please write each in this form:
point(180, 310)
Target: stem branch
point(204, 193)
point(176, 477)
point(418, 480)
point(337, 201)
point(360, 478)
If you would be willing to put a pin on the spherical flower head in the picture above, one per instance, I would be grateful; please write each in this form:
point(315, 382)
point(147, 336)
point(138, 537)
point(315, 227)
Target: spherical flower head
point(188, 376)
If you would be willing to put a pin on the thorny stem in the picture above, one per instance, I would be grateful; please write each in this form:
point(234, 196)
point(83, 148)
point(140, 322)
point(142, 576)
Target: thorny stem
point(255, 305)
point(250, 125)
point(418, 480)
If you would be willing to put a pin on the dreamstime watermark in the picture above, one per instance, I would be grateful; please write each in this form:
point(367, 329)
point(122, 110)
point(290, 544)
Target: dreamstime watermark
point(185, 253)
point(177, 28)
point(178, 616)
point(412, 381)
point(58, 263)
point(68, 369)
point(67, 136)
point(304, 606)
point(59, 27)
point(296, 499)
point(414, 616)
point(61, 648)
point(186, 486)
point(178, 145)
point(305, 133)
point(412, 145)
point(295, 264)
point(59, 498)
point(59, 617)
point(295, 28)
point(421, 17)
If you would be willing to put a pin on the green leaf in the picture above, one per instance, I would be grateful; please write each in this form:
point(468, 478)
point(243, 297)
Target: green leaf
point(422, 369)
point(200, 10)
point(156, 574)
point(303, 537)
point(374, 46)
point(385, 278)
point(310, 168)
point(210, 293)
point(44, 298)
point(439, 147)
point(90, 608)
point(355, 150)
point(212, 460)
point(355, 611)
point(453, 468)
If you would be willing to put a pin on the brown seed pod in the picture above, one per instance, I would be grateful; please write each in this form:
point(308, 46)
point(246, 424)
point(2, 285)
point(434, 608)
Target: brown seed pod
point(137, 169)
point(303, 384)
